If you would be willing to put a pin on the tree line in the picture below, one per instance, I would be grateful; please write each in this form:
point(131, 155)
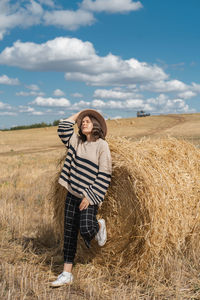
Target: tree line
point(36, 125)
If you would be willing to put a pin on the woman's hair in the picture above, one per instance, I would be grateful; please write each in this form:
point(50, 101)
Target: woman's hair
point(97, 131)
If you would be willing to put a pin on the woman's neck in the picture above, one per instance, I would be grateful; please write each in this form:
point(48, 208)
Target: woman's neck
point(89, 138)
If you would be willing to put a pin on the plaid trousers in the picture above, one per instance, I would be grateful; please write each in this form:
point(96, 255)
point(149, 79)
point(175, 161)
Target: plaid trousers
point(75, 220)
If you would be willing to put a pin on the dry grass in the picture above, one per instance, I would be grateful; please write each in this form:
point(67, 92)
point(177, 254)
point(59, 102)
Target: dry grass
point(153, 253)
point(184, 126)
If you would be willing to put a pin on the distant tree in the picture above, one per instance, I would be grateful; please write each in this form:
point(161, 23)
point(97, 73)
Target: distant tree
point(36, 125)
point(56, 122)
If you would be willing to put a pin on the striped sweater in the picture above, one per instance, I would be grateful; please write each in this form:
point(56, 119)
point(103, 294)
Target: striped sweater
point(87, 168)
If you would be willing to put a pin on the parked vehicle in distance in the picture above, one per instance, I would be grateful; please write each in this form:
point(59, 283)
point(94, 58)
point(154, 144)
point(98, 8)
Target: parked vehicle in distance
point(141, 113)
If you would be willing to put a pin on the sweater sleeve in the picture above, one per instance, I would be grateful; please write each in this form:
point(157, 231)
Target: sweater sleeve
point(66, 131)
point(95, 193)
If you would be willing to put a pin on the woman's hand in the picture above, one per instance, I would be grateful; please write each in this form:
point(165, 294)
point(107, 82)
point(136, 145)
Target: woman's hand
point(84, 204)
point(74, 117)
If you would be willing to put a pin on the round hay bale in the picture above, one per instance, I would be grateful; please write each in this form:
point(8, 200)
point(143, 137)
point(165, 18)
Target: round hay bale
point(151, 208)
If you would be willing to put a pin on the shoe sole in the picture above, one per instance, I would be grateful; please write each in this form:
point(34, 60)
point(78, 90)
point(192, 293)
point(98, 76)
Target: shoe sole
point(104, 224)
point(58, 285)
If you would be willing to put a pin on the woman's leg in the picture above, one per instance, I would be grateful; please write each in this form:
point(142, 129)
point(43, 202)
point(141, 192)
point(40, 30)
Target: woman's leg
point(89, 225)
point(71, 229)
point(68, 267)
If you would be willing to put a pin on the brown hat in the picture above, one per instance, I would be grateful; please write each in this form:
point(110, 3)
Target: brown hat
point(95, 114)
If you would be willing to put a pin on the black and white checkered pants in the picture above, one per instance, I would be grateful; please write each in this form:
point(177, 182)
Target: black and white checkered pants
point(75, 220)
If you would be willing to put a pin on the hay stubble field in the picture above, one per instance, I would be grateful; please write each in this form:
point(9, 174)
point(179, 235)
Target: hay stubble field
point(30, 254)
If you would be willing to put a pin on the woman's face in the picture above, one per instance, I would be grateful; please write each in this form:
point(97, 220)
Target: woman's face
point(86, 125)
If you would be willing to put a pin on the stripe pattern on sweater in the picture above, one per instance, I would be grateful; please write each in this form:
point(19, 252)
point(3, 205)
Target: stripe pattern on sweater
point(80, 175)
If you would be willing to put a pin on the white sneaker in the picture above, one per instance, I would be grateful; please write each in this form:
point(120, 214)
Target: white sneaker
point(63, 278)
point(101, 236)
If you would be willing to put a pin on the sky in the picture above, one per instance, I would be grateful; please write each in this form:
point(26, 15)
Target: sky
point(115, 56)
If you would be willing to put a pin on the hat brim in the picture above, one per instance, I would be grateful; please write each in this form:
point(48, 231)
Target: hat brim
point(95, 114)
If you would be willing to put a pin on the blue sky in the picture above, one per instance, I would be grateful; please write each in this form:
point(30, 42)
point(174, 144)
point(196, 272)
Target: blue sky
point(116, 56)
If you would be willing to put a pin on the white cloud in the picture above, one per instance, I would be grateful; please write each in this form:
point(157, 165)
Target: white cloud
point(37, 113)
point(21, 13)
point(34, 91)
point(29, 110)
point(77, 95)
point(2, 33)
point(33, 87)
point(98, 103)
point(25, 109)
point(159, 100)
point(134, 103)
point(183, 91)
point(165, 86)
point(47, 2)
point(19, 109)
point(69, 19)
point(61, 112)
point(58, 93)
point(112, 70)
point(4, 79)
point(196, 87)
point(4, 105)
point(176, 106)
point(116, 117)
point(34, 9)
point(31, 93)
point(113, 94)
point(14, 14)
point(81, 104)
point(163, 104)
point(160, 104)
point(111, 6)
point(8, 113)
point(131, 103)
point(178, 66)
point(51, 102)
point(59, 54)
point(187, 94)
point(81, 62)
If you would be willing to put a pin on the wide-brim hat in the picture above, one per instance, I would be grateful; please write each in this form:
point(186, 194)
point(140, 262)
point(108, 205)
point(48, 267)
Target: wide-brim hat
point(94, 113)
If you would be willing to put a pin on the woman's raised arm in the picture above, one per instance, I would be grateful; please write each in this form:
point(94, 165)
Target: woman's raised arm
point(66, 128)
point(73, 117)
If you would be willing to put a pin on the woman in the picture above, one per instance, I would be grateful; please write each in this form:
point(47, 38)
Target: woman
point(86, 175)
